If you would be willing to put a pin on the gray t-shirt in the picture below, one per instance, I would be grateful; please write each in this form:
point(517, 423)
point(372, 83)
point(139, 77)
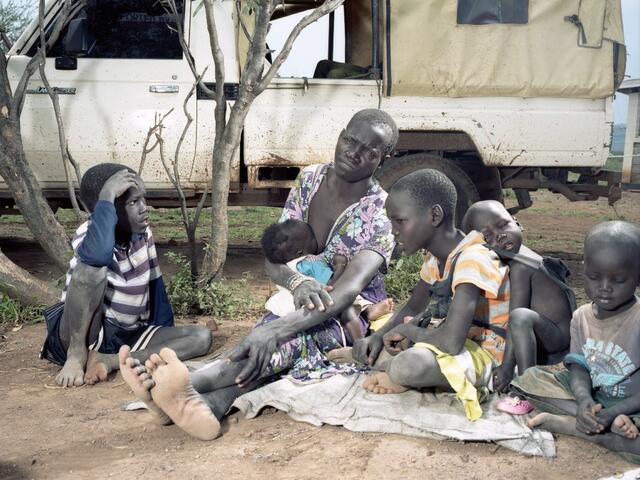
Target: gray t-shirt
point(609, 349)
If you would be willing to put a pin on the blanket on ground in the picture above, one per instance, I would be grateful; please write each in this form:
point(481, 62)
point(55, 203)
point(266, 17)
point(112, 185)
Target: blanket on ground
point(340, 400)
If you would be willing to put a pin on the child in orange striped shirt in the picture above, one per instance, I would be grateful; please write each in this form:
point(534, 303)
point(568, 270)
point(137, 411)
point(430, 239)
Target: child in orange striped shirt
point(461, 280)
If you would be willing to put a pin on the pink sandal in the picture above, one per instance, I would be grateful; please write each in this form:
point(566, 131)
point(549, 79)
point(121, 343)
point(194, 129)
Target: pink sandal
point(514, 406)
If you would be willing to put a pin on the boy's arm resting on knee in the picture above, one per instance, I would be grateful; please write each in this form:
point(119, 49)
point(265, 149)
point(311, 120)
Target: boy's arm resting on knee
point(520, 279)
point(161, 313)
point(451, 335)
point(96, 248)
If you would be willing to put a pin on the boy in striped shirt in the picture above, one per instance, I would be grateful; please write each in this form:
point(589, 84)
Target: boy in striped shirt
point(461, 281)
point(114, 293)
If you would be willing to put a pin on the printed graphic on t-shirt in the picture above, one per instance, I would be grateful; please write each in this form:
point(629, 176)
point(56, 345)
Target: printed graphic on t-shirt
point(609, 364)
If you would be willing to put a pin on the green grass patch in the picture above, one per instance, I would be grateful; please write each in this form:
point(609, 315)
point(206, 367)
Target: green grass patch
point(402, 277)
point(224, 298)
point(13, 313)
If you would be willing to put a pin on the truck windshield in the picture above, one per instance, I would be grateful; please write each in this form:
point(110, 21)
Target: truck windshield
point(128, 29)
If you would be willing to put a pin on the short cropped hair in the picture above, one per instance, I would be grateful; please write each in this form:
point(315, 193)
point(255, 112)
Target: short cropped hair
point(428, 187)
point(94, 179)
point(615, 232)
point(382, 119)
point(272, 237)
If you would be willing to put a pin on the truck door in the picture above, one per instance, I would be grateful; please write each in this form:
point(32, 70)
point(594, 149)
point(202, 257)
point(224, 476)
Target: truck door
point(132, 73)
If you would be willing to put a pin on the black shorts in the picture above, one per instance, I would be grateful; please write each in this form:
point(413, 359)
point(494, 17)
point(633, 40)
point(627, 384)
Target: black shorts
point(110, 338)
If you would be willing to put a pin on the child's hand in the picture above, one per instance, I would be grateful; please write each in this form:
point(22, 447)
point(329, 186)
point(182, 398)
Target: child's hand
point(586, 417)
point(604, 416)
point(117, 184)
point(502, 377)
point(395, 341)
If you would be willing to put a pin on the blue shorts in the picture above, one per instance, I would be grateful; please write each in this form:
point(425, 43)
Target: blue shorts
point(110, 338)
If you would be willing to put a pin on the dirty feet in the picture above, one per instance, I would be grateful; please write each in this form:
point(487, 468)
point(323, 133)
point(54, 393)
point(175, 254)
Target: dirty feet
point(382, 384)
point(554, 423)
point(624, 426)
point(99, 366)
point(140, 382)
point(175, 395)
point(72, 373)
point(382, 308)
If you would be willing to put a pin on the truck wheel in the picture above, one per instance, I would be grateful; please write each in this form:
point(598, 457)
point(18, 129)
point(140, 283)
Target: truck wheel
point(394, 168)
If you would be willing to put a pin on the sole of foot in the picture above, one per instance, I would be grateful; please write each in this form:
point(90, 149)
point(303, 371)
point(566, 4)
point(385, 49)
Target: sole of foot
point(140, 382)
point(175, 395)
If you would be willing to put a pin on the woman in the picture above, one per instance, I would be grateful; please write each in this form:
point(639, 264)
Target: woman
point(345, 208)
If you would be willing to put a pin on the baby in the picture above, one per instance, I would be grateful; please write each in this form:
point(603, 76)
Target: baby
point(294, 243)
point(541, 303)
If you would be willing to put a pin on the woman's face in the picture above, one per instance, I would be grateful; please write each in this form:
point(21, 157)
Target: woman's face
point(359, 150)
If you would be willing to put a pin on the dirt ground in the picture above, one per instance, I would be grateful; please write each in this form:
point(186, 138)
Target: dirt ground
point(48, 432)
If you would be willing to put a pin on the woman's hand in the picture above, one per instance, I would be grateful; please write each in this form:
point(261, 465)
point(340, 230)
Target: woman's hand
point(257, 348)
point(312, 294)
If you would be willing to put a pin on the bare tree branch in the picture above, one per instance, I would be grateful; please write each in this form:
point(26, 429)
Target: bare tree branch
point(327, 7)
point(62, 138)
point(151, 134)
point(218, 61)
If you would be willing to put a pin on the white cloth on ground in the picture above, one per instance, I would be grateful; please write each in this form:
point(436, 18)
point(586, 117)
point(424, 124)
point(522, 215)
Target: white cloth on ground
point(341, 400)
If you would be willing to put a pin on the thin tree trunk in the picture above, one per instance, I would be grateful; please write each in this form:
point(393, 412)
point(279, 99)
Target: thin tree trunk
point(24, 287)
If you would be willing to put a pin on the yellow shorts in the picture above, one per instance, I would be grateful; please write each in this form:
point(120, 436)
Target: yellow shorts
point(469, 369)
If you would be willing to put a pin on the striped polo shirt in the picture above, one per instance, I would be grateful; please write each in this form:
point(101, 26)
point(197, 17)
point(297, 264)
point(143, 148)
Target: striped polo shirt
point(132, 268)
point(481, 267)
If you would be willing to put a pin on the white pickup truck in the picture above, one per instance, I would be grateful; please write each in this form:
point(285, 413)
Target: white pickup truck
point(495, 93)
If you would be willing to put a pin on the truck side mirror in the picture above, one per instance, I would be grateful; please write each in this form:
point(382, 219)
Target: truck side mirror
point(77, 41)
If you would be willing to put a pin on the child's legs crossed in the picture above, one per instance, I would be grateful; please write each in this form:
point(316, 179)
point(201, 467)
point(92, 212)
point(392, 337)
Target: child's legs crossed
point(417, 368)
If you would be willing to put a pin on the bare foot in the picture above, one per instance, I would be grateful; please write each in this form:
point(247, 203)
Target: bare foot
point(624, 426)
point(97, 369)
point(175, 395)
point(140, 383)
point(72, 373)
point(340, 355)
point(381, 308)
point(554, 423)
point(381, 383)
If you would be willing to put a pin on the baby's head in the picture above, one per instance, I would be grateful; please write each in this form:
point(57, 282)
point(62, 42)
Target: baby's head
point(131, 207)
point(419, 204)
point(492, 220)
point(282, 242)
point(612, 265)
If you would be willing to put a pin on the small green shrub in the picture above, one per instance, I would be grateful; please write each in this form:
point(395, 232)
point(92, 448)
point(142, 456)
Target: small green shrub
point(402, 276)
point(13, 313)
point(223, 298)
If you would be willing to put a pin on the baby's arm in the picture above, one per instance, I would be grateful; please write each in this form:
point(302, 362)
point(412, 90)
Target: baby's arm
point(339, 265)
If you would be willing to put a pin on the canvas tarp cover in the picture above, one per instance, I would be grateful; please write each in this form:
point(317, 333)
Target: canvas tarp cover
point(431, 55)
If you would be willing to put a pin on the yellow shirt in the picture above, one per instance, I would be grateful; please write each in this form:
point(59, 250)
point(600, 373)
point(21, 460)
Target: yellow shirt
point(481, 267)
